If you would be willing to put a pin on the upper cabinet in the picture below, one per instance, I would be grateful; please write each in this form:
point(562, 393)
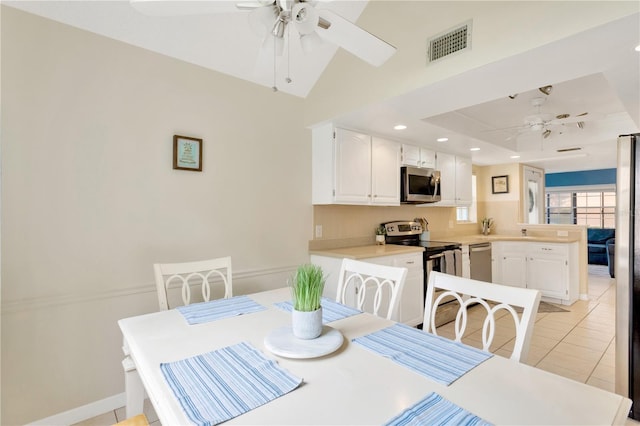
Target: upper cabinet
point(418, 157)
point(385, 172)
point(455, 179)
point(353, 168)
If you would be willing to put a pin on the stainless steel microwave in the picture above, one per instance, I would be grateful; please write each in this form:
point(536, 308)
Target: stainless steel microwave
point(419, 186)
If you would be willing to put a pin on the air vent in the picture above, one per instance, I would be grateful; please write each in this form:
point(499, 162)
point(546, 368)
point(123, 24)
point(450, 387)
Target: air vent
point(568, 149)
point(450, 42)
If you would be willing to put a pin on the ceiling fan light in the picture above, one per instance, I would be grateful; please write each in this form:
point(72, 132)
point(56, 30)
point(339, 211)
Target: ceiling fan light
point(305, 17)
point(546, 89)
point(310, 42)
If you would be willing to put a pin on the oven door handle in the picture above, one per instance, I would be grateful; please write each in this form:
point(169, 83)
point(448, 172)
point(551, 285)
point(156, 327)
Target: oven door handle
point(435, 256)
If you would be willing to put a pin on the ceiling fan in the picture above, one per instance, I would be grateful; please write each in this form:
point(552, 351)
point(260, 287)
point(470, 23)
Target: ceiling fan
point(274, 20)
point(545, 123)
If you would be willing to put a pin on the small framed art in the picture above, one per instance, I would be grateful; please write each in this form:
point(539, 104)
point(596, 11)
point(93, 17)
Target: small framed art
point(187, 153)
point(499, 184)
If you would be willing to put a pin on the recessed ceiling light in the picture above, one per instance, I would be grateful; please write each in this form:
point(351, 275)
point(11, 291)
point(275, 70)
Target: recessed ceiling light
point(474, 149)
point(638, 48)
point(399, 127)
point(515, 156)
point(442, 139)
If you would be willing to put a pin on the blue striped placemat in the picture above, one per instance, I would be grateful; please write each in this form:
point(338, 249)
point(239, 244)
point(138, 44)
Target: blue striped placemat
point(434, 410)
point(331, 310)
point(220, 385)
point(213, 310)
point(435, 357)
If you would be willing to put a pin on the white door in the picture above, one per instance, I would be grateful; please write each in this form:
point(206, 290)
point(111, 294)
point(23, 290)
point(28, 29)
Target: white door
point(353, 167)
point(549, 275)
point(427, 158)
point(513, 269)
point(410, 155)
point(385, 172)
point(446, 164)
point(463, 181)
point(533, 195)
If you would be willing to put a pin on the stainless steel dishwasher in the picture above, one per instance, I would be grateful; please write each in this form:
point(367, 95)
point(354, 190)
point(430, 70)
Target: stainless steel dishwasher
point(480, 260)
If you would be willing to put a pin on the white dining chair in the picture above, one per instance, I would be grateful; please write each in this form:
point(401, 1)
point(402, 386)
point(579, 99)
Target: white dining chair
point(493, 298)
point(203, 273)
point(370, 287)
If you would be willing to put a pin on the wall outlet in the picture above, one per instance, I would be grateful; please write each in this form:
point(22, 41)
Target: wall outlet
point(563, 233)
point(318, 231)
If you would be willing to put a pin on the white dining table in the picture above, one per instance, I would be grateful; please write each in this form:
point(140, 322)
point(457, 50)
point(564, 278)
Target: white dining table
point(354, 385)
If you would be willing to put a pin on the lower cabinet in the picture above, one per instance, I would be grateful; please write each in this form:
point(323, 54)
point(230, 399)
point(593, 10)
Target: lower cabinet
point(411, 309)
point(551, 268)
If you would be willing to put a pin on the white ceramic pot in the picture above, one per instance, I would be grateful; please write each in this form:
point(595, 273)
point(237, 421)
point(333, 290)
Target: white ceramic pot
point(380, 239)
point(306, 325)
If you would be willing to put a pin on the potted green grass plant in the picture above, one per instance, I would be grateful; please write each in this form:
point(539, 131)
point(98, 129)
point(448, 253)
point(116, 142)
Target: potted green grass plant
point(381, 231)
point(306, 290)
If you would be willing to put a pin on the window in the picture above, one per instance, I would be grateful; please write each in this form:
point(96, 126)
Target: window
point(595, 209)
point(469, 213)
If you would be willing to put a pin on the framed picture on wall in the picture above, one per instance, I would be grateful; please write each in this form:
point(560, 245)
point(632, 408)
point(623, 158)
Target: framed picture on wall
point(187, 153)
point(499, 184)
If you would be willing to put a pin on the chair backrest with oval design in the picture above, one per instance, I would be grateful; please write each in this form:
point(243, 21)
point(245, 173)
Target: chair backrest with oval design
point(498, 302)
point(203, 273)
point(366, 285)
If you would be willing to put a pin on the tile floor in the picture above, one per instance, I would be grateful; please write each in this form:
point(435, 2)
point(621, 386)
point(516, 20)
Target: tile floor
point(578, 344)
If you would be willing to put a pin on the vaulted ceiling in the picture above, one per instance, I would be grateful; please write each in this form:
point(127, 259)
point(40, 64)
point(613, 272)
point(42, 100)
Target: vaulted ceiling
point(223, 41)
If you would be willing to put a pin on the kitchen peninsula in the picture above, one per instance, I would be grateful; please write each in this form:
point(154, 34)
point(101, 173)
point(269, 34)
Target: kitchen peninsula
point(549, 264)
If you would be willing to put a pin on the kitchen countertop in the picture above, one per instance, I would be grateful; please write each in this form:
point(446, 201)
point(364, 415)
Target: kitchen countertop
point(476, 239)
point(364, 252)
point(373, 250)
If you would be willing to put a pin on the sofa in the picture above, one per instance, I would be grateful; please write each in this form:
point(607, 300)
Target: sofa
point(611, 254)
point(597, 239)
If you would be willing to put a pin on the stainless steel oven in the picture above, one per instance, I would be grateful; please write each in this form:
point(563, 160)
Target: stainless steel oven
point(438, 256)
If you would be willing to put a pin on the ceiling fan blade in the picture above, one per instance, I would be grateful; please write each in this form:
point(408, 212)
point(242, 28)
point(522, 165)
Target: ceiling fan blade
point(187, 7)
point(578, 118)
point(354, 39)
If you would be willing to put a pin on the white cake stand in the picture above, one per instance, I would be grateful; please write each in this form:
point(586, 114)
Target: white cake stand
point(282, 342)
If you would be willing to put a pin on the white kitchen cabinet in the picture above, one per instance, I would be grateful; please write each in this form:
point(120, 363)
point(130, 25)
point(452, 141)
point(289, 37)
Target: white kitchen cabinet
point(463, 181)
point(551, 268)
point(548, 269)
point(353, 168)
point(455, 179)
point(511, 263)
point(411, 308)
point(416, 156)
point(385, 172)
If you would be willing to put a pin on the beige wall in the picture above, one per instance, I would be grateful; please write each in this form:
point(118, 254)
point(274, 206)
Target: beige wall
point(90, 200)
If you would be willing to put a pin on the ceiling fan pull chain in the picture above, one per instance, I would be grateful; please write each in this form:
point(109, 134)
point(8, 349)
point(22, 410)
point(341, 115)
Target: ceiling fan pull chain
point(275, 87)
point(288, 79)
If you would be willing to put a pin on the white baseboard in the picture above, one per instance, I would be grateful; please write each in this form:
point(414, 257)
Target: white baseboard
point(85, 412)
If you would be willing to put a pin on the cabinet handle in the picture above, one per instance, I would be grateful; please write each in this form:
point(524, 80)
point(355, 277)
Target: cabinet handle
point(411, 262)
